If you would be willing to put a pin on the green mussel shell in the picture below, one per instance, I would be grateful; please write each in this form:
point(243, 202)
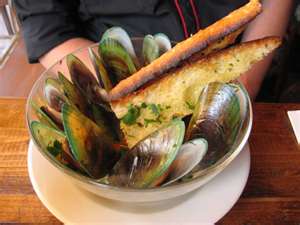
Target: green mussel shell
point(54, 142)
point(116, 58)
point(102, 74)
point(90, 144)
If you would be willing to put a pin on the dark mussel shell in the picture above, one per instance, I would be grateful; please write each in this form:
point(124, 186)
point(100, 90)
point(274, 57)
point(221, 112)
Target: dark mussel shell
point(146, 163)
point(216, 118)
point(90, 144)
point(83, 79)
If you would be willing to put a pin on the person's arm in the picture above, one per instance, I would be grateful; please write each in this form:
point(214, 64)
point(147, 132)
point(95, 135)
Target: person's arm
point(58, 52)
point(273, 21)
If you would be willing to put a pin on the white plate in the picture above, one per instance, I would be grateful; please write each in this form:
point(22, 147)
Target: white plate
point(73, 205)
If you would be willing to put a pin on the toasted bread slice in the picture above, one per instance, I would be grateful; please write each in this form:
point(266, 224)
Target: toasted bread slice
point(185, 49)
point(216, 46)
point(175, 93)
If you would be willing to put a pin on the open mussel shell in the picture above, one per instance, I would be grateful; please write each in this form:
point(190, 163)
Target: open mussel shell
point(217, 118)
point(189, 156)
point(54, 142)
point(43, 116)
point(101, 72)
point(150, 49)
point(116, 58)
point(121, 36)
point(83, 78)
point(90, 144)
point(143, 165)
point(72, 93)
point(54, 94)
point(163, 42)
point(53, 115)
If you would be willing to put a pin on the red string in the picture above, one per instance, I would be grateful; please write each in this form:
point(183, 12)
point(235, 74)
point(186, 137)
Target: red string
point(186, 34)
point(195, 14)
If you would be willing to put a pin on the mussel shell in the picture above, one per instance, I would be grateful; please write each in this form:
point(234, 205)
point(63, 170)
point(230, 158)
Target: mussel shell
point(189, 156)
point(163, 42)
point(53, 115)
point(102, 75)
point(54, 142)
point(90, 144)
point(106, 120)
point(122, 37)
point(217, 119)
point(116, 58)
point(143, 165)
point(83, 78)
point(72, 93)
point(42, 116)
point(54, 94)
point(150, 49)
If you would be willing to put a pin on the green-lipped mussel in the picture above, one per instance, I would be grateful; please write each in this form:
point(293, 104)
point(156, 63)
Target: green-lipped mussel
point(217, 118)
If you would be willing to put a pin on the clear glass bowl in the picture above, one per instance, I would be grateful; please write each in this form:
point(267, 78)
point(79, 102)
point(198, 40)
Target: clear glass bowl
point(130, 194)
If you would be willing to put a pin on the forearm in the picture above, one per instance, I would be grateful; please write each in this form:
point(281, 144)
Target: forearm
point(273, 21)
point(64, 49)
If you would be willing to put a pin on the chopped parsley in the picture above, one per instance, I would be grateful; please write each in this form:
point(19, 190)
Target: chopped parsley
point(55, 149)
point(143, 105)
point(189, 105)
point(131, 116)
point(148, 121)
point(134, 112)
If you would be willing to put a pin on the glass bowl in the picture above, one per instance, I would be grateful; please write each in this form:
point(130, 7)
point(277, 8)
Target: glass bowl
point(130, 194)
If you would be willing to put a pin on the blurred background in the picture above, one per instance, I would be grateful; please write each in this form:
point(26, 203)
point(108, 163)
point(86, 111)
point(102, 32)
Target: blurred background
point(282, 83)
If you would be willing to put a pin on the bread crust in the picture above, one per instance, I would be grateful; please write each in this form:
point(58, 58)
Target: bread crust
point(183, 50)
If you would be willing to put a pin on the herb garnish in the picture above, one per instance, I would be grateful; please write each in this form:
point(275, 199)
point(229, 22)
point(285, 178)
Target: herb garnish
point(148, 121)
point(55, 149)
point(132, 114)
point(189, 105)
point(134, 111)
point(143, 105)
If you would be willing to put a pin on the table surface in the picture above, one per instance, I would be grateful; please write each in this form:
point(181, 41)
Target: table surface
point(271, 196)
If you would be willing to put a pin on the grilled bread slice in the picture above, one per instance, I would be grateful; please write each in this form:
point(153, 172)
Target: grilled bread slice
point(185, 49)
point(175, 94)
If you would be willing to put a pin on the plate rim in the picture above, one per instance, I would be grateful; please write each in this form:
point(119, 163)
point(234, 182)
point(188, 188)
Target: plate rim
point(57, 214)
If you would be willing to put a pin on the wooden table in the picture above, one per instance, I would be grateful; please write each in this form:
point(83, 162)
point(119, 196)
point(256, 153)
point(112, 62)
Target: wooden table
point(272, 194)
